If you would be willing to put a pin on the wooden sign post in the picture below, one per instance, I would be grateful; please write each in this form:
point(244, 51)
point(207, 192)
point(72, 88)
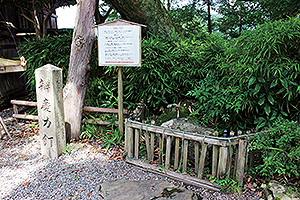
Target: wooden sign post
point(119, 44)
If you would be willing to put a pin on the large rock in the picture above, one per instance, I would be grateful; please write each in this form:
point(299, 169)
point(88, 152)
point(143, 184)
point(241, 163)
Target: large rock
point(280, 192)
point(142, 190)
point(187, 125)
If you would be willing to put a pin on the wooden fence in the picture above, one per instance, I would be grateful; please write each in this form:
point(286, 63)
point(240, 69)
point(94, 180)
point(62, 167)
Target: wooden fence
point(184, 156)
point(98, 121)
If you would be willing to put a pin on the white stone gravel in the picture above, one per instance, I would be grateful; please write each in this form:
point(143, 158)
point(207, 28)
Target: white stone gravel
point(25, 174)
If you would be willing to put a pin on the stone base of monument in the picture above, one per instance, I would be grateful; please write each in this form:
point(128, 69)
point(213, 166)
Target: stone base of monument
point(148, 189)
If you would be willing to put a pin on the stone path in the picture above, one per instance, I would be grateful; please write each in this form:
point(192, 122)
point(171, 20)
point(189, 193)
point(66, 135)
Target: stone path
point(142, 190)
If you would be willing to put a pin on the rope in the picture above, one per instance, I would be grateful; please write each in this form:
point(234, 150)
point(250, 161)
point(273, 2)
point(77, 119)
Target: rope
point(11, 35)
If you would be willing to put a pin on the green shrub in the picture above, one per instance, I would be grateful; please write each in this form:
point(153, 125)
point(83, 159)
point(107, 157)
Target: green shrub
point(255, 78)
point(48, 50)
point(279, 149)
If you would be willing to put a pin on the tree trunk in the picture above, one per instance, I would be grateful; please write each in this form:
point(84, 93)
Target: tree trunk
point(148, 12)
point(36, 23)
point(209, 16)
point(81, 48)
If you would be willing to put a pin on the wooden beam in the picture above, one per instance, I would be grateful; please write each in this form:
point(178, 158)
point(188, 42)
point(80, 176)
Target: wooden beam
point(174, 175)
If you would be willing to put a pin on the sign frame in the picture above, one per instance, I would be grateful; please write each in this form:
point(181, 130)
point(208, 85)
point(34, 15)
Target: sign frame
point(119, 43)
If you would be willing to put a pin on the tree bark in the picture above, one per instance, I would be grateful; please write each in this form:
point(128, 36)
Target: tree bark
point(148, 12)
point(81, 48)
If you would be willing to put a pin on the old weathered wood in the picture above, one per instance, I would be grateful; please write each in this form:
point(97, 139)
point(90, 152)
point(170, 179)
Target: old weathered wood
point(15, 108)
point(185, 155)
point(152, 136)
point(120, 101)
point(176, 159)
point(215, 153)
point(26, 117)
point(130, 142)
point(160, 157)
point(180, 177)
point(126, 136)
point(147, 145)
point(176, 133)
point(196, 144)
point(236, 154)
point(202, 160)
point(23, 103)
point(136, 143)
point(222, 162)
point(242, 150)
point(168, 152)
point(4, 128)
point(103, 110)
point(97, 121)
point(79, 67)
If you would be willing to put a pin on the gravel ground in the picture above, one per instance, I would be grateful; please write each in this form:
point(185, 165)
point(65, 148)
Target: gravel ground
point(25, 174)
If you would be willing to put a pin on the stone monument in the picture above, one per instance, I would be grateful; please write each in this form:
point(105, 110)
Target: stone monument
point(50, 110)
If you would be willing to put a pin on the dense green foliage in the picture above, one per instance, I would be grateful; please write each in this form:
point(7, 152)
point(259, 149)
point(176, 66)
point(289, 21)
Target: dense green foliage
point(254, 79)
point(48, 50)
point(279, 150)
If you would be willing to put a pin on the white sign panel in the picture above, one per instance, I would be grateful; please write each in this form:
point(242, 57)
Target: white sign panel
point(119, 45)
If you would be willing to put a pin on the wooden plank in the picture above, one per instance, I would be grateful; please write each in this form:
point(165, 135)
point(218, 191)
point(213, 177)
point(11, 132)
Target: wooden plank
point(222, 163)
point(130, 142)
point(86, 109)
point(152, 136)
point(26, 117)
point(12, 68)
point(168, 152)
point(5, 129)
point(185, 155)
point(187, 136)
point(241, 161)
point(215, 152)
point(196, 146)
point(177, 149)
point(126, 136)
point(202, 160)
point(103, 110)
point(147, 144)
point(160, 155)
point(23, 103)
point(97, 121)
point(236, 154)
point(174, 175)
point(136, 144)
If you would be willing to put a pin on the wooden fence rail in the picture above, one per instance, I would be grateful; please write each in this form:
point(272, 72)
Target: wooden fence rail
point(183, 155)
point(98, 121)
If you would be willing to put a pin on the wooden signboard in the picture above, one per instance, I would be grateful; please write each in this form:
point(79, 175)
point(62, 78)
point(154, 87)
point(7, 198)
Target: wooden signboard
point(119, 44)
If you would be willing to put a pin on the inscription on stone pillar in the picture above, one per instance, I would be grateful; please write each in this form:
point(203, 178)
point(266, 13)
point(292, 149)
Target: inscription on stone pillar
point(50, 110)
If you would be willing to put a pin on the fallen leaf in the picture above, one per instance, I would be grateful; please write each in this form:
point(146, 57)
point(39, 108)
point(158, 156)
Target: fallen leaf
point(91, 176)
point(81, 189)
point(122, 175)
point(26, 183)
point(44, 156)
point(89, 194)
point(73, 197)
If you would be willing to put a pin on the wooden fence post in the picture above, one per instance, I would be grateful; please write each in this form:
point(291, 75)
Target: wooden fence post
point(168, 152)
point(215, 152)
point(222, 162)
point(176, 159)
point(136, 144)
point(241, 161)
